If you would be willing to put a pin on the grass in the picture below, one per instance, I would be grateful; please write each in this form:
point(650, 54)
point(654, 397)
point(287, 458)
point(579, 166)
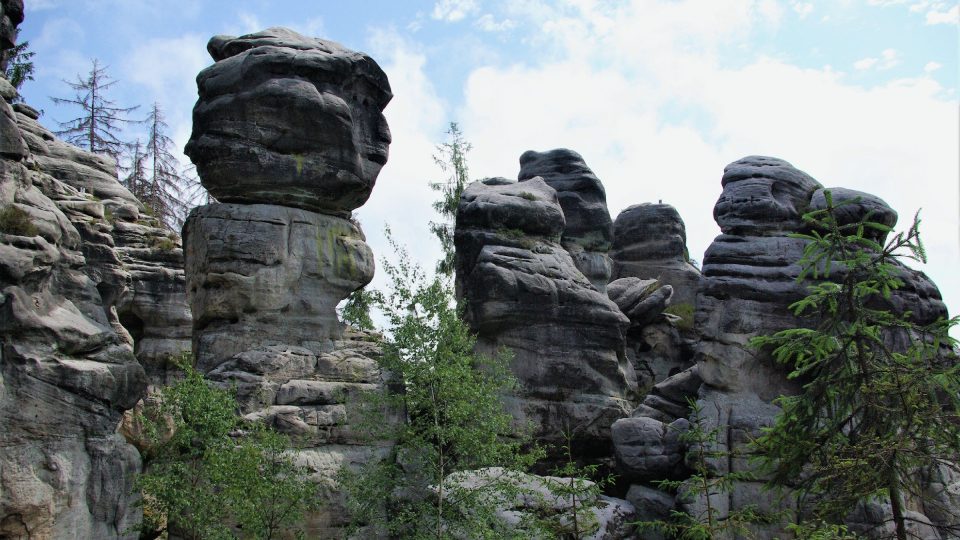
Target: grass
point(17, 222)
point(684, 310)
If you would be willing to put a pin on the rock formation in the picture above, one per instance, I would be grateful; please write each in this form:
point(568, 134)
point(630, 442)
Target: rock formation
point(522, 290)
point(587, 231)
point(289, 135)
point(749, 280)
point(67, 367)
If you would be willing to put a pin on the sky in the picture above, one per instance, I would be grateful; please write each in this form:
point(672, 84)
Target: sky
point(657, 95)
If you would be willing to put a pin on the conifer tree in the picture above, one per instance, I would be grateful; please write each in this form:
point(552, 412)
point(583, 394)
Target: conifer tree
point(452, 159)
point(880, 404)
point(136, 179)
point(19, 68)
point(164, 191)
point(97, 128)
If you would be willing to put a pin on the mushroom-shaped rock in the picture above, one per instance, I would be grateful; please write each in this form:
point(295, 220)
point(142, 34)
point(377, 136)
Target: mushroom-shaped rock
point(290, 120)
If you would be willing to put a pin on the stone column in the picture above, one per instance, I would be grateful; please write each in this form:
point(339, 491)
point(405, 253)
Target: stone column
point(289, 137)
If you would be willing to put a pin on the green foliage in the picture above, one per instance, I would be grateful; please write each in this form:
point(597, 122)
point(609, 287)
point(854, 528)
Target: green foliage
point(685, 311)
point(452, 419)
point(356, 310)
point(15, 221)
point(572, 484)
point(820, 530)
point(164, 243)
point(452, 159)
point(19, 65)
point(704, 485)
point(209, 475)
point(881, 393)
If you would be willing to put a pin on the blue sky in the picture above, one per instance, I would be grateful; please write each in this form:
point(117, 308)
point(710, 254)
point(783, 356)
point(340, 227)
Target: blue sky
point(657, 95)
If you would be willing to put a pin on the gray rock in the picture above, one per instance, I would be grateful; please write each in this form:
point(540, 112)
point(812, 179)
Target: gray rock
point(588, 230)
point(68, 371)
point(292, 120)
point(762, 195)
point(521, 290)
point(11, 15)
point(852, 206)
point(648, 449)
point(262, 274)
point(650, 242)
point(546, 499)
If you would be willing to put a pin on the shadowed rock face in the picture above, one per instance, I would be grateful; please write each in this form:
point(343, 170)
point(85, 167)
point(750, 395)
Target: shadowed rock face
point(588, 231)
point(283, 118)
point(523, 291)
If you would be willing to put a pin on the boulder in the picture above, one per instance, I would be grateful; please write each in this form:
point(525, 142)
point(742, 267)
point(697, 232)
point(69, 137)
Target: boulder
point(287, 119)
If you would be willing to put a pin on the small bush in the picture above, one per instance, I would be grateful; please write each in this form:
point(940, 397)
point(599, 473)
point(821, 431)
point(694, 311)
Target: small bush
point(528, 196)
point(163, 243)
point(17, 222)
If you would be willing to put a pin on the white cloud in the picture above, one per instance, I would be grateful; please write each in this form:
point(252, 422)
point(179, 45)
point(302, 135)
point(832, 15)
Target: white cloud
point(453, 10)
point(934, 11)
point(865, 63)
point(932, 66)
point(488, 23)
point(803, 9)
point(940, 15)
point(417, 118)
point(888, 59)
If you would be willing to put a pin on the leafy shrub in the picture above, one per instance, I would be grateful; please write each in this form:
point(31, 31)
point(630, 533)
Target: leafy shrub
point(685, 311)
point(215, 473)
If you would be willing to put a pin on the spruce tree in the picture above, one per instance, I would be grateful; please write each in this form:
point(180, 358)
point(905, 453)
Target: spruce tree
point(19, 67)
point(880, 404)
point(452, 159)
point(164, 191)
point(97, 128)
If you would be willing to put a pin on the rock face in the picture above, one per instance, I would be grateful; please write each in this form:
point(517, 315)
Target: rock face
point(67, 367)
point(522, 290)
point(588, 231)
point(135, 262)
point(748, 282)
point(289, 134)
point(284, 117)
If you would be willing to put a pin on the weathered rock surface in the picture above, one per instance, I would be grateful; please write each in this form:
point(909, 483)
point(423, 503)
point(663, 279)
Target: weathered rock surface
point(67, 368)
point(264, 274)
point(546, 499)
point(135, 262)
point(650, 242)
point(588, 231)
point(287, 119)
point(748, 282)
point(288, 134)
point(522, 290)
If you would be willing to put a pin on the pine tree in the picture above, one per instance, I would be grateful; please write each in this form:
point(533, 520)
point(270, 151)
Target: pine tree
point(164, 192)
point(452, 159)
point(19, 65)
point(97, 127)
point(881, 393)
